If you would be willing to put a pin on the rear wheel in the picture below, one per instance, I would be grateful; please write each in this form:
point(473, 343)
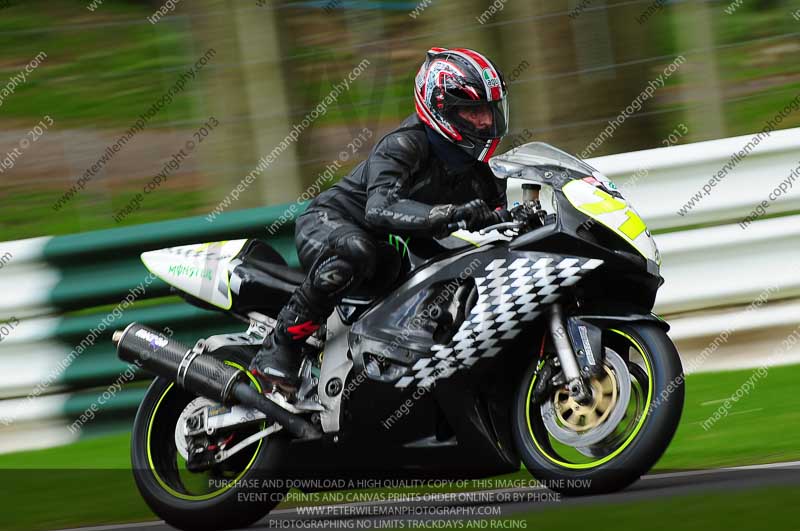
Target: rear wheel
point(234, 493)
point(608, 444)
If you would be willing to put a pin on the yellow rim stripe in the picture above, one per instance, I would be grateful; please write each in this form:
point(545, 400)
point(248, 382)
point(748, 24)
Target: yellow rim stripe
point(216, 493)
point(624, 445)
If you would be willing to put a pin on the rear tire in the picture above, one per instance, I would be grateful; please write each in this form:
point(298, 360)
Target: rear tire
point(651, 431)
point(236, 499)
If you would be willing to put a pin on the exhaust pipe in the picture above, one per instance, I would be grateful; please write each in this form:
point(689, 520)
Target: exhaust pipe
point(205, 376)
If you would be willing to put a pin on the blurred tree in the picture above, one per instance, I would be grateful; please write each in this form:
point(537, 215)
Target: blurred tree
point(700, 74)
point(231, 149)
point(263, 67)
point(590, 65)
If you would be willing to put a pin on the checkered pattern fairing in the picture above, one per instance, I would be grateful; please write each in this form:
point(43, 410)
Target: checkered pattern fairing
point(511, 292)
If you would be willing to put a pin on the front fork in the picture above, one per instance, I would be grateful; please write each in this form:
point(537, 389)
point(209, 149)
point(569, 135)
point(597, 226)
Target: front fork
point(566, 356)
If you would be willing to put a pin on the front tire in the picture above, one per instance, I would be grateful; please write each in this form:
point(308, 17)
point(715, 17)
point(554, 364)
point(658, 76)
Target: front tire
point(653, 419)
point(233, 496)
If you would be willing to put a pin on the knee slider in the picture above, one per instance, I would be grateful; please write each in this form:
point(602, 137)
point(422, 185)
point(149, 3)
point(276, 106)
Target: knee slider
point(332, 275)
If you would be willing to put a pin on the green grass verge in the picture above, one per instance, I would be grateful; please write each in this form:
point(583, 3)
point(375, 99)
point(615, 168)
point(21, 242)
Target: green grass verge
point(31, 212)
point(754, 431)
point(104, 69)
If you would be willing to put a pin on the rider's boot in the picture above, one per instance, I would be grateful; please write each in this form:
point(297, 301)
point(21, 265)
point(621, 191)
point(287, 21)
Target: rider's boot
point(280, 357)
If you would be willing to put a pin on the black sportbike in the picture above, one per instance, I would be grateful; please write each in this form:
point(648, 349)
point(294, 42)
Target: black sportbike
point(530, 341)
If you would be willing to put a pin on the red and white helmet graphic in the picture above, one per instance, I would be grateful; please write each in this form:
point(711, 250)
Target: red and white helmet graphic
point(461, 95)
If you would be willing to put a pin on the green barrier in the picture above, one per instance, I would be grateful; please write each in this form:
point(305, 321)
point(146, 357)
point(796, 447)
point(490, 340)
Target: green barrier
point(86, 276)
point(113, 243)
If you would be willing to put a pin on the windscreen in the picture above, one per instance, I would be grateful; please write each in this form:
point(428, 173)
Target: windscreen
point(537, 154)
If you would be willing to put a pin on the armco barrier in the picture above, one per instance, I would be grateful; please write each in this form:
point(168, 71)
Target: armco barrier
point(77, 271)
point(59, 288)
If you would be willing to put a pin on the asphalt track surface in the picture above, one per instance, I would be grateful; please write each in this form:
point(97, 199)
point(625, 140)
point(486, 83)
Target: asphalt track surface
point(503, 503)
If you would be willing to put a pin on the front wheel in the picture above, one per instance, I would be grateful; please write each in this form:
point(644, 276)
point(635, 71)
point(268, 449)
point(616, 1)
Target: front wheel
point(604, 446)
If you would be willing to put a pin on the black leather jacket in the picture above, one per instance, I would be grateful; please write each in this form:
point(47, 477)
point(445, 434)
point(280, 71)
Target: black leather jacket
point(394, 189)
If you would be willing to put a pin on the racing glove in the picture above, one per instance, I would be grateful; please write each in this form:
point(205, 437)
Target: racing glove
point(472, 216)
point(476, 214)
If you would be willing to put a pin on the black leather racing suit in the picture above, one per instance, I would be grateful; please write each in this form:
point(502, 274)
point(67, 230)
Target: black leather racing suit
point(343, 235)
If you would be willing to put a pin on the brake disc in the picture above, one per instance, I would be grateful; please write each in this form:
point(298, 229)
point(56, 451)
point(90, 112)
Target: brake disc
point(578, 425)
point(607, 445)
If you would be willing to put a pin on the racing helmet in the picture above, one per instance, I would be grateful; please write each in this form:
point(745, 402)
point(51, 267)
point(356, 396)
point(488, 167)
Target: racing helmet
point(462, 96)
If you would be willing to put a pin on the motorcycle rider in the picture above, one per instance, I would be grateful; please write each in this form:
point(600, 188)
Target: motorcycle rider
point(418, 180)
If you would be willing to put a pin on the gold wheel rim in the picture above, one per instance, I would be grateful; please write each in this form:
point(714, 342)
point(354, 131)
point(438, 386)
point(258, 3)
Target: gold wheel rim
point(578, 417)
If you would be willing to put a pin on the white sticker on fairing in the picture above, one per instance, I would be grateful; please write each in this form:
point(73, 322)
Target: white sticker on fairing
point(477, 239)
point(201, 270)
point(587, 345)
point(608, 183)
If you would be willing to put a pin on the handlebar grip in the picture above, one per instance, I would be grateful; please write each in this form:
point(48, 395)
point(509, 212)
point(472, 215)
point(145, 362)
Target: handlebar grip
point(452, 227)
point(502, 215)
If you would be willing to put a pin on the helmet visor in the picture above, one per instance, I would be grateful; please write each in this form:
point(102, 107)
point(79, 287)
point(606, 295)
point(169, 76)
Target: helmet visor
point(478, 118)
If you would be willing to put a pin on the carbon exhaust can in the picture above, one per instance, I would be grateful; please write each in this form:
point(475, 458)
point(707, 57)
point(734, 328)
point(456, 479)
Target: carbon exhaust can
point(158, 354)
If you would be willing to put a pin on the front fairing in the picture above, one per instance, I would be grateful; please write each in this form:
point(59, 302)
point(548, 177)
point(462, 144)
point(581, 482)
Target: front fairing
point(577, 185)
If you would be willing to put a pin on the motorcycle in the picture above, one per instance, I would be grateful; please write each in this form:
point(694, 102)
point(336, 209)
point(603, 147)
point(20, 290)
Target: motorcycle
point(532, 340)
